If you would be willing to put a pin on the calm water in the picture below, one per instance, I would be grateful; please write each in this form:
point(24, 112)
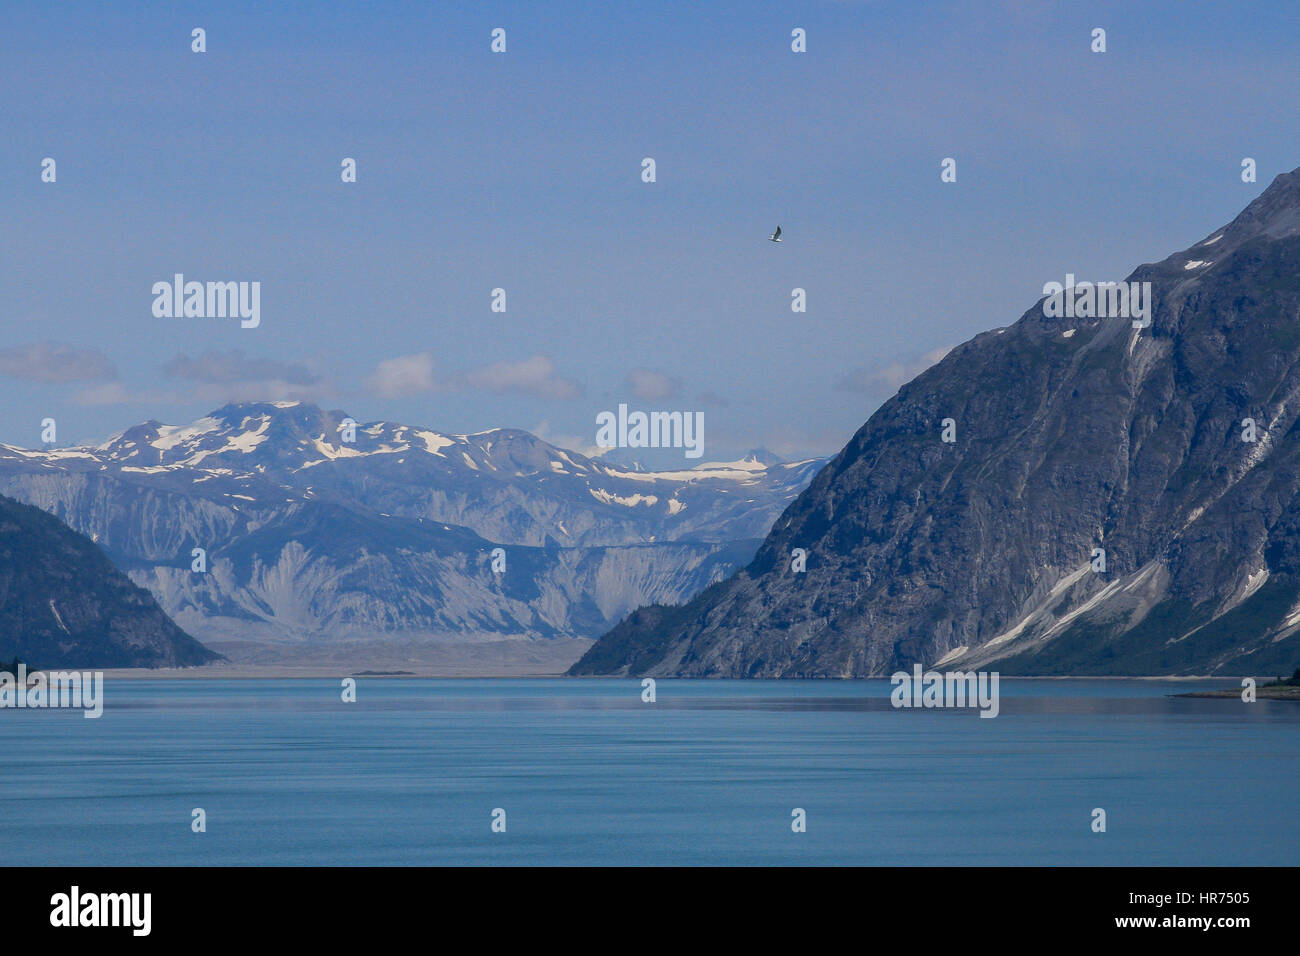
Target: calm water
point(588, 774)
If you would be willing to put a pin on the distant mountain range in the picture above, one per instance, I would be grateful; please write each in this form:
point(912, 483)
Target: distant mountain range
point(64, 605)
point(1073, 437)
point(311, 538)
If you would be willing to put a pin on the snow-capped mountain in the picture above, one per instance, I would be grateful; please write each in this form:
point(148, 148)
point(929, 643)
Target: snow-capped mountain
point(309, 536)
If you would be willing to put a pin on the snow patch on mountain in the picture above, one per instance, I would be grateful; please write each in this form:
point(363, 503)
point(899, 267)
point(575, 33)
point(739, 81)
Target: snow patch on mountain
point(605, 497)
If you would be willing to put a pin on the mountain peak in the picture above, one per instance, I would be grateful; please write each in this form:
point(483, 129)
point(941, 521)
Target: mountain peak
point(239, 411)
point(1274, 213)
point(762, 456)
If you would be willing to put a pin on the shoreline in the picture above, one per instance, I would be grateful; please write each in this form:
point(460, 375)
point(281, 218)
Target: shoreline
point(427, 672)
point(1262, 692)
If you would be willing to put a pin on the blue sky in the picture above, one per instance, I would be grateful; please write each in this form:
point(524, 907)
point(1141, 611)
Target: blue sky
point(522, 171)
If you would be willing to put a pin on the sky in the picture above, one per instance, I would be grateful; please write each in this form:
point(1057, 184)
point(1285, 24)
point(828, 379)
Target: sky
point(522, 171)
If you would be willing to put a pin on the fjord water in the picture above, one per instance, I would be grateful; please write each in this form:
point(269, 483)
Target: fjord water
point(588, 774)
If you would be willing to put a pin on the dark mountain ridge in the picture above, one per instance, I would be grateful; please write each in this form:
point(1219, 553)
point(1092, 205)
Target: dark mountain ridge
point(1072, 435)
point(64, 605)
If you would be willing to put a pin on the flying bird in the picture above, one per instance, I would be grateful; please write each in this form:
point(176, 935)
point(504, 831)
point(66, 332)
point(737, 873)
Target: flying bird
point(776, 236)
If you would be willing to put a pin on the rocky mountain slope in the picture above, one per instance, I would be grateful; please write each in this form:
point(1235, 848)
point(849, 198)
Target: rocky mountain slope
point(308, 536)
point(1073, 436)
point(64, 605)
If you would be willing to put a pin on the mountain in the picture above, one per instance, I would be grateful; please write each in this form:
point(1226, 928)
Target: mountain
point(309, 537)
point(1071, 435)
point(64, 605)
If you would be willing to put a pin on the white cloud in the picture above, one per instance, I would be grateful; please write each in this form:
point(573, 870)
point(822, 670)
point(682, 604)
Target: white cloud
point(401, 376)
point(651, 386)
point(110, 393)
point(583, 445)
point(888, 379)
point(216, 378)
point(531, 376)
point(414, 375)
point(56, 362)
point(220, 368)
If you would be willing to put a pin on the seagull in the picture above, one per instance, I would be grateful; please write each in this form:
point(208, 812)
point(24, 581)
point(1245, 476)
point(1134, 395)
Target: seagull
point(776, 236)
